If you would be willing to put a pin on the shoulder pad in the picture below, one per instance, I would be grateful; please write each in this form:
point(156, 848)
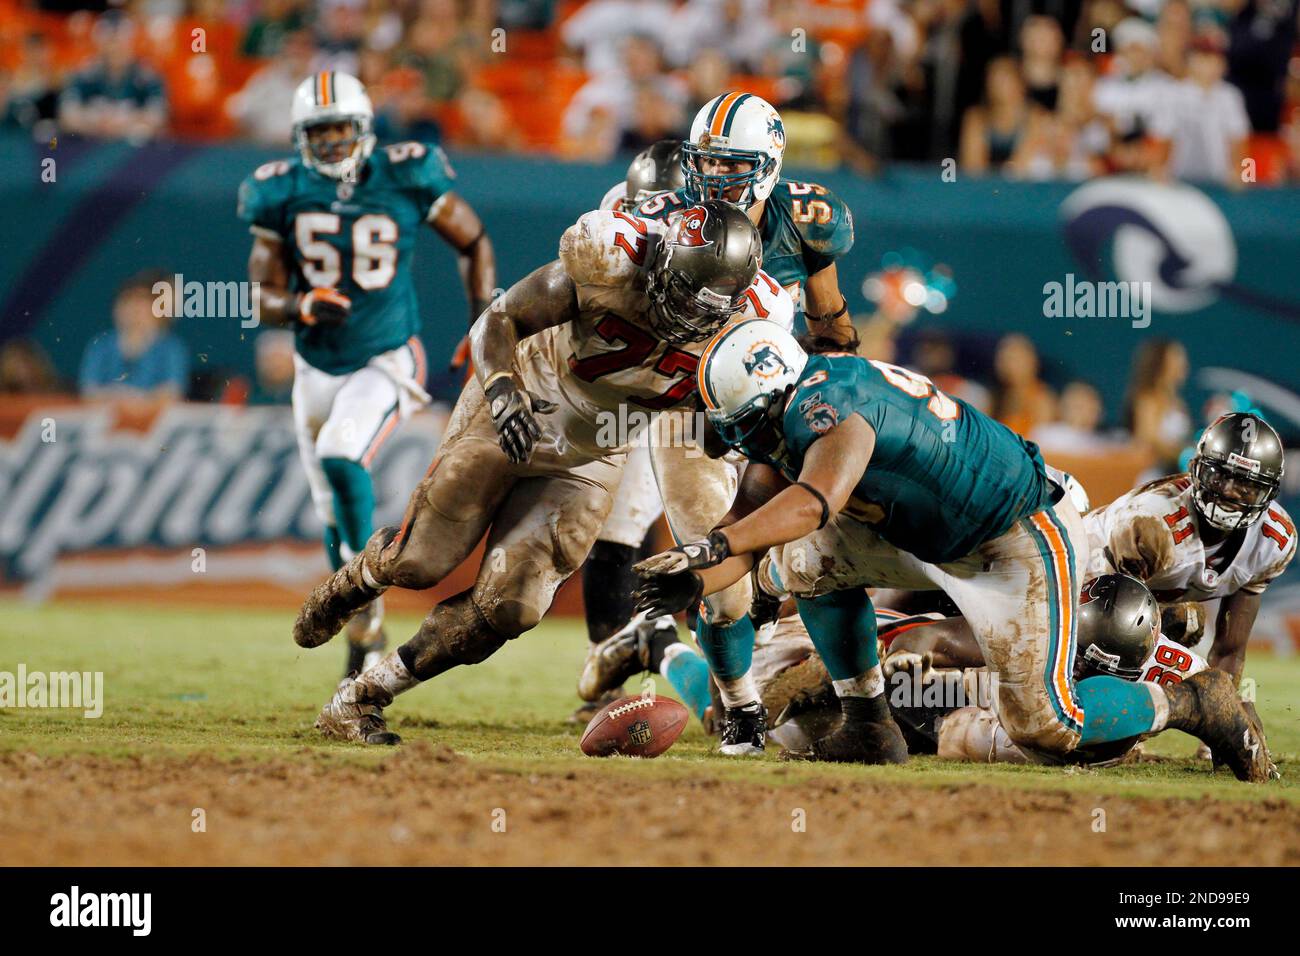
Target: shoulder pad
point(662, 205)
point(607, 248)
point(824, 222)
point(419, 166)
point(263, 194)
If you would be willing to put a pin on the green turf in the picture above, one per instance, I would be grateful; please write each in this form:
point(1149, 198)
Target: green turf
point(232, 683)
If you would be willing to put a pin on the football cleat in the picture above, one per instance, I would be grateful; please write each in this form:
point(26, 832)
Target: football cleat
point(744, 731)
point(865, 734)
point(355, 713)
point(1206, 706)
point(623, 654)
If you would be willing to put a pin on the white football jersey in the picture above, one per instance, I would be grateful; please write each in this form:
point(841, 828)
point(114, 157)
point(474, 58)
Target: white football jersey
point(615, 198)
point(1171, 663)
point(1198, 573)
point(606, 369)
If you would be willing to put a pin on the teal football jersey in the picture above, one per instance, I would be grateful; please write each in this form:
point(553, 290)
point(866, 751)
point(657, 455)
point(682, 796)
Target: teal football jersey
point(356, 237)
point(943, 478)
point(805, 228)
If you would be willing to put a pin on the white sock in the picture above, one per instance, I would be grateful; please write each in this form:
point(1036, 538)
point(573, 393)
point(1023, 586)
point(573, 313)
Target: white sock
point(738, 692)
point(391, 675)
point(671, 653)
point(1160, 701)
point(868, 684)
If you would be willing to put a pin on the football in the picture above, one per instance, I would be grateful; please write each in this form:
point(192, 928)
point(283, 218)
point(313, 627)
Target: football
point(635, 727)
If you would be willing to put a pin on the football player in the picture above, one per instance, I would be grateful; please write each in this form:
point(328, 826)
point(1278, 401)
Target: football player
point(607, 578)
point(333, 235)
point(856, 463)
point(618, 321)
point(735, 151)
point(1214, 532)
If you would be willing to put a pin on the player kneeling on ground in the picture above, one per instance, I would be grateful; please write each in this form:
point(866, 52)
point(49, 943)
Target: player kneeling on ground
point(874, 460)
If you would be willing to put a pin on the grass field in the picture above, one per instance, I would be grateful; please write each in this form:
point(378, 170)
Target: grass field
point(211, 710)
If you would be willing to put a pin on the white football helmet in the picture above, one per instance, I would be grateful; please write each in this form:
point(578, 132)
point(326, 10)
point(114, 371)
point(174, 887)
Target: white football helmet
point(735, 127)
point(332, 97)
point(743, 376)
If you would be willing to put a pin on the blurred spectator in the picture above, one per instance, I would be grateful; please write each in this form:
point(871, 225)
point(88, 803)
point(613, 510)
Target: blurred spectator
point(25, 369)
point(340, 29)
point(1021, 400)
point(1133, 94)
point(654, 117)
point(739, 28)
point(437, 48)
point(141, 355)
point(1076, 429)
point(116, 96)
point(271, 25)
point(403, 111)
point(991, 131)
point(273, 355)
point(709, 72)
point(1203, 120)
point(606, 107)
point(1041, 48)
point(1154, 411)
point(935, 357)
point(488, 124)
point(1261, 35)
point(796, 67)
point(599, 28)
point(1070, 143)
point(262, 108)
point(1173, 37)
point(29, 97)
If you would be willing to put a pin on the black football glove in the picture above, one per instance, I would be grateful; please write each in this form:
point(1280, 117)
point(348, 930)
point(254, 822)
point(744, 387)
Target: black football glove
point(661, 594)
point(324, 307)
point(512, 411)
point(687, 557)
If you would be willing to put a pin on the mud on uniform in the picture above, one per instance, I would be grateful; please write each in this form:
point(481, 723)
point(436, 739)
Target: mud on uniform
point(545, 514)
point(974, 733)
point(354, 382)
point(955, 501)
point(1246, 560)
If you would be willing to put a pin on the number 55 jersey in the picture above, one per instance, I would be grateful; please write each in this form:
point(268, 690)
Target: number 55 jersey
point(355, 237)
point(606, 370)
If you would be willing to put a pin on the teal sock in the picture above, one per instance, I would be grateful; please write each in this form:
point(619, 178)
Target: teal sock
point(729, 648)
point(1114, 709)
point(689, 676)
point(334, 546)
point(354, 500)
point(842, 626)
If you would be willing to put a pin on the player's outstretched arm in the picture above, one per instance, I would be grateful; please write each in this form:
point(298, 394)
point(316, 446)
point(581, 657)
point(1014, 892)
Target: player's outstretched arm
point(460, 226)
point(827, 310)
point(1231, 633)
point(832, 468)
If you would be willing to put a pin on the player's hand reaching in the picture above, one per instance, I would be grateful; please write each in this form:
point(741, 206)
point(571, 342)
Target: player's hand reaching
point(325, 307)
point(514, 414)
point(660, 594)
point(1143, 547)
point(687, 557)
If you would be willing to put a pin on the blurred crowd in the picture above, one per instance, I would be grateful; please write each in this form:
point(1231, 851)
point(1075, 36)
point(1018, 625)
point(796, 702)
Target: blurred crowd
point(1201, 90)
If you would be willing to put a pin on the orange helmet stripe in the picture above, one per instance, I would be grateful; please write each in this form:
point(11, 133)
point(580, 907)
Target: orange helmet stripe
point(323, 88)
point(720, 117)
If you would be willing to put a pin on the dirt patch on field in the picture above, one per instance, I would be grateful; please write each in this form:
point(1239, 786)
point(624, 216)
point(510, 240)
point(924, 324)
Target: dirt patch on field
point(429, 806)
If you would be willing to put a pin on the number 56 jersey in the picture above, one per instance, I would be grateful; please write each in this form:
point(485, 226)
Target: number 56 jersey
point(355, 237)
point(607, 370)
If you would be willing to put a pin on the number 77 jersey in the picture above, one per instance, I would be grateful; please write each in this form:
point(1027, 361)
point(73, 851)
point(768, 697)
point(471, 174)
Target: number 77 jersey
point(606, 369)
point(357, 237)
